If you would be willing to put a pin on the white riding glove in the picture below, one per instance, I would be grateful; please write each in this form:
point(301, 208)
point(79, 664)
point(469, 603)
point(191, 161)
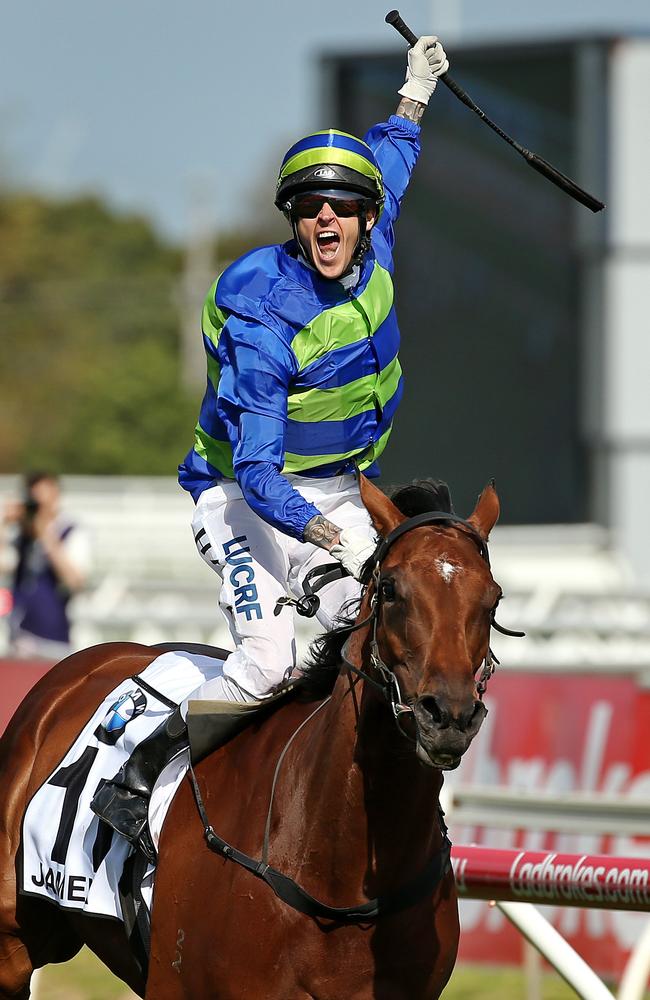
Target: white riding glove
point(426, 62)
point(352, 550)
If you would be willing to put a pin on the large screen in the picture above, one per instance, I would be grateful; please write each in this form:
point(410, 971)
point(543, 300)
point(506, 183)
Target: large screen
point(487, 281)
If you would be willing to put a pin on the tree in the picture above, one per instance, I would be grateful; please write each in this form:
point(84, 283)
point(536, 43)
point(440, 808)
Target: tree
point(89, 345)
point(90, 378)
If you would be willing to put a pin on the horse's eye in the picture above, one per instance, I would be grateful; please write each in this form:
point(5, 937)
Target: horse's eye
point(387, 588)
point(495, 606)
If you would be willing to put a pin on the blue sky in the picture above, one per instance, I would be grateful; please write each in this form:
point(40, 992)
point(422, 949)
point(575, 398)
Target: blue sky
point(143, 101)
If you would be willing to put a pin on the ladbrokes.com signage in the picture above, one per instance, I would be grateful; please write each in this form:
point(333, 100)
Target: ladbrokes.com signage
point(549, 877)
point(558, 734)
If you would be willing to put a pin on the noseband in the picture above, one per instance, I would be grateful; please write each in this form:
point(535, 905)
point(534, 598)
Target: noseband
point(388, 684)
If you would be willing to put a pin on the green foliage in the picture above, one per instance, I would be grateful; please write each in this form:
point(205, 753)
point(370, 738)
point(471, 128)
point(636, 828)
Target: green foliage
point(90, 370)
point(481, 982)
point(89, 341)
point(83, 978)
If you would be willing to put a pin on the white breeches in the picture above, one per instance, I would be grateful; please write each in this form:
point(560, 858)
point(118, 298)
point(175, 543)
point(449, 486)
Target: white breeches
point(258, 565)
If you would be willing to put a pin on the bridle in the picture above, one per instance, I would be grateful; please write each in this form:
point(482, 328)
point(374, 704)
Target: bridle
point(383, 678)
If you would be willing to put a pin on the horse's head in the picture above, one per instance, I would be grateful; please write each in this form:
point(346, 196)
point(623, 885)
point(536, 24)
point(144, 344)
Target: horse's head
point(435, 598)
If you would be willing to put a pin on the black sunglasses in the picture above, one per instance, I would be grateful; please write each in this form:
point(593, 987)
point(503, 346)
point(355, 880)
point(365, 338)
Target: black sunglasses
point(307, 206)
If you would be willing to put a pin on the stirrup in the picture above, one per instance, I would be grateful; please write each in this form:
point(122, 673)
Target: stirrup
point(126, 813)
point(123, 810)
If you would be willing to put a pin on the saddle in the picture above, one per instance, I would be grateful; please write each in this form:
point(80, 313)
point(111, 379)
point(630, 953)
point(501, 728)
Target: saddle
point(210, 724)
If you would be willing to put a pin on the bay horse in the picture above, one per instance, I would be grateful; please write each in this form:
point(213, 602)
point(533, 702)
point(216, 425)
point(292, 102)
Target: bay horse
point(351, 816)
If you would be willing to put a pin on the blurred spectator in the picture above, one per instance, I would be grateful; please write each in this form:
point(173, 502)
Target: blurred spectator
point(50, 562)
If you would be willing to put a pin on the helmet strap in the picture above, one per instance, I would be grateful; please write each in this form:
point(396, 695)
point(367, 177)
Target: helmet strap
point(363, 243)
point(301, 249)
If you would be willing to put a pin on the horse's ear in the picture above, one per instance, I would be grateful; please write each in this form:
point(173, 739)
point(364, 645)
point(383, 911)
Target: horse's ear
point(486, 513)
point(385, 515)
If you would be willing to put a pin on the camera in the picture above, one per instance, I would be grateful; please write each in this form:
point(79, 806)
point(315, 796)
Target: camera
point(31, 508)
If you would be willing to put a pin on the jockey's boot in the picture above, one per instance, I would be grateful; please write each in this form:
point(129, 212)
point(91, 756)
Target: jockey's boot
point(123, 802)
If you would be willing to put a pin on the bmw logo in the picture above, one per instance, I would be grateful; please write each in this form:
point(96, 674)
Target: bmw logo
point(128, 706)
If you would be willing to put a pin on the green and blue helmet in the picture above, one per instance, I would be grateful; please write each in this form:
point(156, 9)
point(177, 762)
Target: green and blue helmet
point(329, 161)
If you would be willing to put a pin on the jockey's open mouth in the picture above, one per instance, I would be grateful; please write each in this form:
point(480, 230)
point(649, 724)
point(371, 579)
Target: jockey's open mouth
point(327, 244)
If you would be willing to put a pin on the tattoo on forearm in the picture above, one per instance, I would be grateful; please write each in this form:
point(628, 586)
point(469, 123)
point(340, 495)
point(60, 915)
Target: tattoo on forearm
point(412, 110)
point(319, 531)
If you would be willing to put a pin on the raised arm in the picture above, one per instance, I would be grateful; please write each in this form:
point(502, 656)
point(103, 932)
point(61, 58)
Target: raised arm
point(396, 143)
point(426, 61)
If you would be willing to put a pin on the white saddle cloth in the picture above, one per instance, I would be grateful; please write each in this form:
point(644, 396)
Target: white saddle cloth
point(67, 856)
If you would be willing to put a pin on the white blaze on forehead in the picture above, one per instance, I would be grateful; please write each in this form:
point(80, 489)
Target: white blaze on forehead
point(446, 569)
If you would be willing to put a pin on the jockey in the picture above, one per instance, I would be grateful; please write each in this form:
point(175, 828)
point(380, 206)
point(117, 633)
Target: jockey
point(303, 384)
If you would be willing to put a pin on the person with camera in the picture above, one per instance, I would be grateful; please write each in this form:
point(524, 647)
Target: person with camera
point(51, 561)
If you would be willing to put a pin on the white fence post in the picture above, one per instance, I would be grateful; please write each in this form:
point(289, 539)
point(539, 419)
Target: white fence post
point(556, 950)
point(637, 970)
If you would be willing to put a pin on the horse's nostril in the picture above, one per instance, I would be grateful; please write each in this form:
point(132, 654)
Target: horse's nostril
point(432, 707)
point(442, 715)
point(479, 711)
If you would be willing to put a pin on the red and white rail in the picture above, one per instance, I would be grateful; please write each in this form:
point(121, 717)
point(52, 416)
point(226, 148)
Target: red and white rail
point(516, 879)
point(594, 880)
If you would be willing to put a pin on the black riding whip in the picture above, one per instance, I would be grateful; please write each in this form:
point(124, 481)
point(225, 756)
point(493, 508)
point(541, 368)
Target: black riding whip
point(533, 160)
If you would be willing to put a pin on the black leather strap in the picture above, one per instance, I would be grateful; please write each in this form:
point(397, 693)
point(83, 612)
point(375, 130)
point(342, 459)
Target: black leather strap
point(422, 520)
point(286, 889)
point(322, 575)
point(318, 577)
point(152, 691)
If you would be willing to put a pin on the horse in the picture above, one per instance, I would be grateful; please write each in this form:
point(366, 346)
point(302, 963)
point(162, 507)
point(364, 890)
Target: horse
point(338, 788)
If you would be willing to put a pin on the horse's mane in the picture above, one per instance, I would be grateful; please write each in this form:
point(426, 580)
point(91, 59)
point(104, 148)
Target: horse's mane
point(325, 652)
